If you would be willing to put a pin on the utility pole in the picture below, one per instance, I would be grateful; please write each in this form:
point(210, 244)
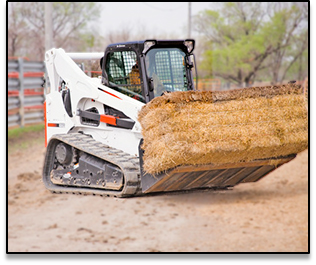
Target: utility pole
point(48, 25)
point(48, 39)
point(189, 21)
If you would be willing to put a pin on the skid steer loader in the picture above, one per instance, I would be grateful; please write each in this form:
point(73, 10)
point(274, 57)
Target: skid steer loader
point(93, 136)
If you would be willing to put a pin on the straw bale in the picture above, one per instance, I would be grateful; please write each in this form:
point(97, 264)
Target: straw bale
point(202, 127)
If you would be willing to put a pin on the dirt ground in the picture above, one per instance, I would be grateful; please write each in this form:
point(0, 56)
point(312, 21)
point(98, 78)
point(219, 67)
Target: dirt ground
point(267, 216)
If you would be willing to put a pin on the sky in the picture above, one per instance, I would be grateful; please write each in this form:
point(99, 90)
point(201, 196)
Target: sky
point(158, 17)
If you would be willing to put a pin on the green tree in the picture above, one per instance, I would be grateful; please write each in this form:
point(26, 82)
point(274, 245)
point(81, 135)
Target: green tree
point(242, 40)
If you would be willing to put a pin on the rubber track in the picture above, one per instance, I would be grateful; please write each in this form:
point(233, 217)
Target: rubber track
point(127, 163)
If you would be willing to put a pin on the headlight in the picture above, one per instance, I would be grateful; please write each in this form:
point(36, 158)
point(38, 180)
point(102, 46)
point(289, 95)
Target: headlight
point(189, 44)
point(148, 44)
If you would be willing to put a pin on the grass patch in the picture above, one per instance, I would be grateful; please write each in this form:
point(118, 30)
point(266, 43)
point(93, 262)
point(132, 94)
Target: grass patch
point(22, 138)
point(18, 132)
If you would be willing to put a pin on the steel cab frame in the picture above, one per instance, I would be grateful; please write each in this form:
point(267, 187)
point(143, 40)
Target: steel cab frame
point(163, 66)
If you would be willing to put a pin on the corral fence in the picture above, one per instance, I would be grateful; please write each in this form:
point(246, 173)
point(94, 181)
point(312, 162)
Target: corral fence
point(25, 92)
point(209, 84)
point(216, 84)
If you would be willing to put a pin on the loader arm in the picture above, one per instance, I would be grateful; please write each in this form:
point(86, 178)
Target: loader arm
point(83, 94)
point(60, 66)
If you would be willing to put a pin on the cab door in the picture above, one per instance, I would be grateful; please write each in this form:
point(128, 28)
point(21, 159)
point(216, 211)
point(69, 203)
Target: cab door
point(123, 73)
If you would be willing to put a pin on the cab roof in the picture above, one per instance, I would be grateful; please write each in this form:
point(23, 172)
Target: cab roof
point(140, 45)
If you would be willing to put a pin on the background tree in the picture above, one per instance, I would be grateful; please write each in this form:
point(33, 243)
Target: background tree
point(252, 40)
point(71, 27)
point(16, 30)
point(288, 29)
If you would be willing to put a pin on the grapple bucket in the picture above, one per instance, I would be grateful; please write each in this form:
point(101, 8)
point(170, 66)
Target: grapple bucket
point(210, 176)
point(222, 137)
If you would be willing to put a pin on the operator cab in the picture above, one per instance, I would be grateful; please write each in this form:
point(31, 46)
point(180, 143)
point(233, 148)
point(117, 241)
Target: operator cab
point(146, 69)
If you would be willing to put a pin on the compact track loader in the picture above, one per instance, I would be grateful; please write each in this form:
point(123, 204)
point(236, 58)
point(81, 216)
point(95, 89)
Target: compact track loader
point(93, 136)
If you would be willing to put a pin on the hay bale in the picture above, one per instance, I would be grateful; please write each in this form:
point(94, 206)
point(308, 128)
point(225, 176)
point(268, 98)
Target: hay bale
point(203, 127)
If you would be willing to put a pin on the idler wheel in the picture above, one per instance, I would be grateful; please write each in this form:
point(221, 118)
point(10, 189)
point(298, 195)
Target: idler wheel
point(63, 154)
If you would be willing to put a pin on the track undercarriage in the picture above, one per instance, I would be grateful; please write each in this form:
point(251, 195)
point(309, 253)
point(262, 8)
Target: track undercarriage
point(76, 163)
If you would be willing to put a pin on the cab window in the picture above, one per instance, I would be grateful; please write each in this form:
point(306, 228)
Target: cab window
point(166, 68)
point(123, 73)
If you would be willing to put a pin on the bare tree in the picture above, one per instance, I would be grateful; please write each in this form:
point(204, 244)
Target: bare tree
point(122, 35)
point(16, 26)
point(70, 21)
